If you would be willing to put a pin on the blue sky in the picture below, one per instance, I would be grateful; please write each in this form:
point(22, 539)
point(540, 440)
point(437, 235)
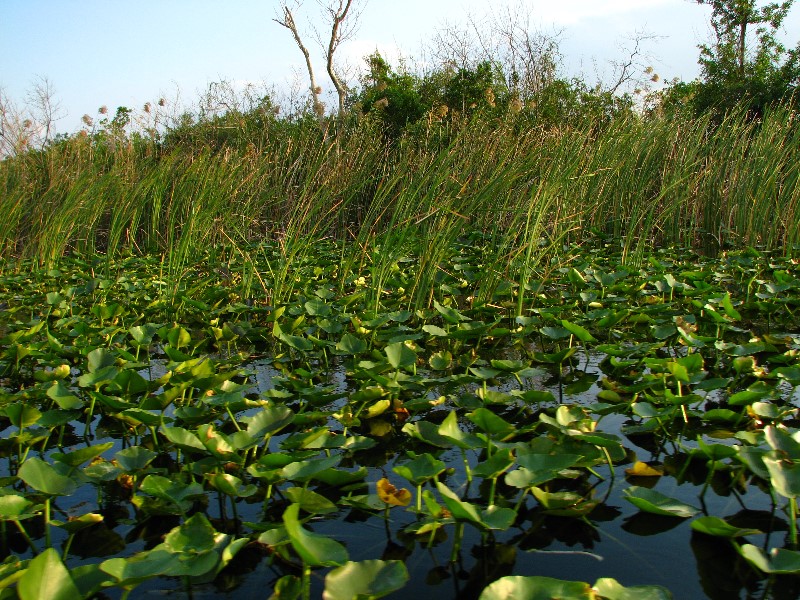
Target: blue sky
point(120, 52)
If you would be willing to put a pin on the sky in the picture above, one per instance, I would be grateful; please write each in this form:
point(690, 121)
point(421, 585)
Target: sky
point(126, 53)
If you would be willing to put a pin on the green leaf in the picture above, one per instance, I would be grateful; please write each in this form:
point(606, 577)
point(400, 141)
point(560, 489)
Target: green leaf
point(100, 358)
point(14, 507)
point(314, 550)
point(779, 561)
point(140, 566)
point(230, 485)
point(22, 415)
point(452, 433)
point(556, 333)
point(46, 578)
point(365, 580)
point(195, 536)
point(434, 330)
point(578, 331)
point(135, 458)
point(183, 439)
point(400, 355)
point(611, 589)
point(317, 308)
point(720, 528)
point(450, 315)
point(63, 397)
point(169, 490)
point(494, 517)
point(307, 469)
point(44, 478)
point(287, 587)
point(520, 587)
point(310, 501)
point(350, 344)
point(441, 361)
point(727, 306)
point(300, 344)
point(496, 465)
point(269, 420)
point(178, 337)
point(429, 433)
point(82, 455)
point(495, 426)
point(421, 469)
point(657, 503)
point(784, 476)
point(536, 469)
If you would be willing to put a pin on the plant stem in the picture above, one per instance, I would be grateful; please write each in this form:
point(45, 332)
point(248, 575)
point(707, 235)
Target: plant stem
point(47, 522)
point(24, 533)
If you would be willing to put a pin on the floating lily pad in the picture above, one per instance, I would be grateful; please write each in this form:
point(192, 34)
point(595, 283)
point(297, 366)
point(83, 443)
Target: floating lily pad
point(657, 503)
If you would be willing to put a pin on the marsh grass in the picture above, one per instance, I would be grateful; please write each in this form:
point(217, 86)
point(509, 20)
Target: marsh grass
point(527, 190)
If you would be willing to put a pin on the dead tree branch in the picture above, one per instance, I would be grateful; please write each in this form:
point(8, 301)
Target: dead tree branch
point(289, 23)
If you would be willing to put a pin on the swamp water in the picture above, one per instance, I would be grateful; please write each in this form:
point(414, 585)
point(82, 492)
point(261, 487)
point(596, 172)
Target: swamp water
point(639, 425)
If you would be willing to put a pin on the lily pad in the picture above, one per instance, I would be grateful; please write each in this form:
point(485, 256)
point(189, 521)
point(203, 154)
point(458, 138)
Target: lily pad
point(656, 503)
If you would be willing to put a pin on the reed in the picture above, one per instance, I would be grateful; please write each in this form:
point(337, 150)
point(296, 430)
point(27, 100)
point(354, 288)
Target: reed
point(672, 179)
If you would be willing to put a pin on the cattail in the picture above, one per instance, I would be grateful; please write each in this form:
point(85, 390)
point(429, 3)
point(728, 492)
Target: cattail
point(147, 107)
point(103, 110)
point(87, 120)
point(489, 95)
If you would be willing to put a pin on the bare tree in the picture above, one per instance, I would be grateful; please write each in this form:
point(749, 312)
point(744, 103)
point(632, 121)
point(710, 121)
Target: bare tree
point(452, 45)
point(30, 126)
point(15, 129)
point(344, 19)
point(289, 23)
point(631, 70)
point(339, 33)
point(44, 108)
point(527, 57)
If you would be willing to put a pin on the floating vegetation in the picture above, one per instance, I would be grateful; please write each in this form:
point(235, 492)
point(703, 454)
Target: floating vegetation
point(608, 430)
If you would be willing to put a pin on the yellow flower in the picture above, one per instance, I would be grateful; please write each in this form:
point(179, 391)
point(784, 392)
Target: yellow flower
point(391, 495)
point(641, 469)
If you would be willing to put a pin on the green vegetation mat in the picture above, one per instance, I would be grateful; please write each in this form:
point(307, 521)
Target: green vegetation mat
point(614, 431)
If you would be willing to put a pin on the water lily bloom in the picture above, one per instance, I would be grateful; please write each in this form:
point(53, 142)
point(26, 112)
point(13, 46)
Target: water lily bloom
point(391, 495)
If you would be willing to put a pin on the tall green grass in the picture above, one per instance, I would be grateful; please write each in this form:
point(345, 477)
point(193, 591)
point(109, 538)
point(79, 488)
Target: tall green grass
point(527, 190)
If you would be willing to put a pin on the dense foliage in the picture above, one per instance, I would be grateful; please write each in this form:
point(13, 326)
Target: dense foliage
point(487, 312)
point(338, 441)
